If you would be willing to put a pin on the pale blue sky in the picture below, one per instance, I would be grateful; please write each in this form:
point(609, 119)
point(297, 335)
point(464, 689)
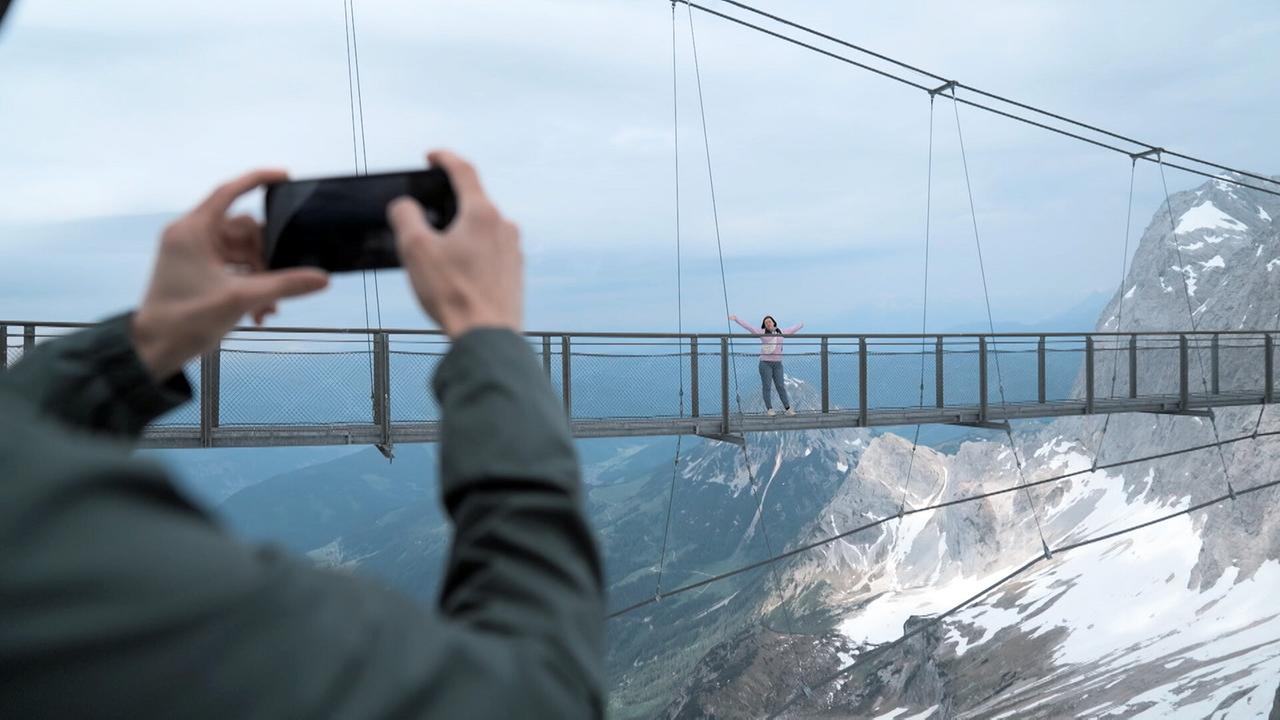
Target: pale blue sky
point(114, 116)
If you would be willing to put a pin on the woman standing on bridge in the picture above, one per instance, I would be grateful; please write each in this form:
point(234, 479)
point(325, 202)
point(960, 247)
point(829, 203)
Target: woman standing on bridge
point(771, 359)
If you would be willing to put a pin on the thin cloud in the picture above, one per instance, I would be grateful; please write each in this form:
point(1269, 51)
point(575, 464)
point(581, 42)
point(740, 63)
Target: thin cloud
point(566, 107)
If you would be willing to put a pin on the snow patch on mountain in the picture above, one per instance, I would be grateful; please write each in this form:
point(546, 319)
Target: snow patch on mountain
point(1206, 216)
point(1127, 605)
point(1189, 275)
point(897, 714)
point(881, 619)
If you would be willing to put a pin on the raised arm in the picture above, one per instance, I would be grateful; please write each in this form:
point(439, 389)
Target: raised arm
point(793, 329)
point(93, 380)
point(749, 328)
point(524, 576)
point(117, 377)
point(171, 617)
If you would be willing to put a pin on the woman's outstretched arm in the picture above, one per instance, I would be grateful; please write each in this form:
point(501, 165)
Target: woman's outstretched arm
point(793, 329)
point(748, 328)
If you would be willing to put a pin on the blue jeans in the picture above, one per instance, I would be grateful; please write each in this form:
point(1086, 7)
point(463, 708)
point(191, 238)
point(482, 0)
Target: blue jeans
point(772, 370)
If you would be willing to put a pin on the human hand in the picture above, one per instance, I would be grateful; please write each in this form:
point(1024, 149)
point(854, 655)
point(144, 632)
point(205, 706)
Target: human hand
point(470, 275)
point(734, 318)
point(209, 273)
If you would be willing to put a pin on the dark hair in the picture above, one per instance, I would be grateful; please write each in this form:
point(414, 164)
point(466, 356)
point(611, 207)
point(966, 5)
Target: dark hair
point(4, 6)
point(776, 329)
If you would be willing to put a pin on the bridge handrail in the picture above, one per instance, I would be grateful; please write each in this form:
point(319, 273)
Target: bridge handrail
point(562, 356)
point(1030, 335)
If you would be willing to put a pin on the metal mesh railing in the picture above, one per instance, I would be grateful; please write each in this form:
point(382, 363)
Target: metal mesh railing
point(1111, 379)
point(628, 384)
point(1156, 358)
point(411, 394)
point(186, 413)
point(1241, 363)
point(263, 387)
point(297, 377)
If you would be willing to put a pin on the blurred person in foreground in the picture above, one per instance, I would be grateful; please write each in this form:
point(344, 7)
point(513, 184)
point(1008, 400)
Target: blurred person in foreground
point(119, 597)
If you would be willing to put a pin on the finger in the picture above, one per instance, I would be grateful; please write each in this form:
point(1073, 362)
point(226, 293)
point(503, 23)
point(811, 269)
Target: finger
point(262, 290)
point(463, 177)
point(242, 242)
point(409, 223)
point(406, 216)
point(260, 315)
point(220, 200)
point(241, 225)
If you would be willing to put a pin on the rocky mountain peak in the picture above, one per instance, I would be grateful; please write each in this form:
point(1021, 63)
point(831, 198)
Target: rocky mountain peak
point(1170, 620)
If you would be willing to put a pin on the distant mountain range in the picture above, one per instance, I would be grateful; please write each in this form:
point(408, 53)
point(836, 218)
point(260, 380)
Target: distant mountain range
point(1078, 318)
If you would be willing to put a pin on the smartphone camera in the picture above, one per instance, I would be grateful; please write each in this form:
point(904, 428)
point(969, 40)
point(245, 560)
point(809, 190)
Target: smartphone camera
point(340, 224)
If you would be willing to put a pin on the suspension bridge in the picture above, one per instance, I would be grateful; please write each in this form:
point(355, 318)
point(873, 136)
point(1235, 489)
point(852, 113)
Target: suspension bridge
point(339, 386)
point(326, 386)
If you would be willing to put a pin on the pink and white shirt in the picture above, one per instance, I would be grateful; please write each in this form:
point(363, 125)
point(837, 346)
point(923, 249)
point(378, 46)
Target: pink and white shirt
point(771, 344)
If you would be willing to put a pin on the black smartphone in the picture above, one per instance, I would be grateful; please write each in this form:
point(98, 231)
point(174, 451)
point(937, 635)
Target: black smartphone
point(340, 224)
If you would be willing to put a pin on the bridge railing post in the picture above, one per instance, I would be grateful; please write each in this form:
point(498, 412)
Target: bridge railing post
point(1213, 364)
point(862, 382)
point(546, 356)
point(382, 387)
point(693, 376)
point(724, 385)
point(28, 338)
point(826, 388)
point(210, 394)
point(1088, 374)
point(1269, 369)
point(1133, 366)
point(982, 378)
point(4, 347)
point(938, 358)
point(1183, 389)
point(566, 375)
point(1040, 370)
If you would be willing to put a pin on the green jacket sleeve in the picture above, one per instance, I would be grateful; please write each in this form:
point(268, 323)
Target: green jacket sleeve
point(122, 599)
point(93, 380)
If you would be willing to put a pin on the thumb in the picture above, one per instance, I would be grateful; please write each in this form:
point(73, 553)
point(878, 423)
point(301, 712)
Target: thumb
point(409, 223)
point(264, 289)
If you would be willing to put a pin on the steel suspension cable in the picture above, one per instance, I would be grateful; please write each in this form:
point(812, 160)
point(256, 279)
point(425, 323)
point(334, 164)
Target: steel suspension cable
point(977, 497)
point(919, 628)
point(1231, 494)
point(1140, 146)
point(986, 295)
point(1059, 550)
point(364, 145)
point(1124, 274)
point(724, 290)
point(1191, 317)
point(675, 465)
point(924, 311)
point(355, 98)
point(1263, 406)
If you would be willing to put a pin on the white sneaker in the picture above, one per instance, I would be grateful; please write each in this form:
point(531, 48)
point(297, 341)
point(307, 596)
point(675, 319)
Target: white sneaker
point(790, 411)
point(770, 412)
